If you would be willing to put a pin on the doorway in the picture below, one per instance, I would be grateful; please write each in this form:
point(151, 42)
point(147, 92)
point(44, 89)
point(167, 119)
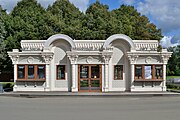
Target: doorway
point(89, 78)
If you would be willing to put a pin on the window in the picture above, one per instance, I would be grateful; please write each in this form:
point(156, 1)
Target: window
point(138, 72)
point(31, 72)
point(148, 72)
point(158, 72)
point(118, 72)
point(41, 72)
point(60, 72)
point(21, 72)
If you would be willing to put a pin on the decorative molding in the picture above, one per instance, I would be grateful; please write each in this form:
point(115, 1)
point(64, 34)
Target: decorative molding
point(148, 59)
point(89, 59)
point(30, 59)
point(14, 58)
point(106, 57)
point(132, 58)
point(165, 57)
point(48, 56)
point(73, 56)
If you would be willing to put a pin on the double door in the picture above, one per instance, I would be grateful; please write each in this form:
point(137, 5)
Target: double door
point(90, 78)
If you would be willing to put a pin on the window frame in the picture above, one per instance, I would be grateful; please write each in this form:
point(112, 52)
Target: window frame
point(35, 72)
point(153, 72)
point(122, 72)
point(57, 72)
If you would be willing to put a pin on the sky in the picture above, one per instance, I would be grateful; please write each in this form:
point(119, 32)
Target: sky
point(165, 14)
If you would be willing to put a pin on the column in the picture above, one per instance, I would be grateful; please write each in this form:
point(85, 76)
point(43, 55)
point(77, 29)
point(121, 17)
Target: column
point(47, 78)
point(164, 78)
point(73, 58)
point(48, 56)
point(74, 87)
point(106, 68)
point(15, 77)
point(132, 76)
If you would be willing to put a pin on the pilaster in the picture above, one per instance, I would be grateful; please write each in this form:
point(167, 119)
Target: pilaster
point(48, 56)
point(106, 57)
point(73, 56)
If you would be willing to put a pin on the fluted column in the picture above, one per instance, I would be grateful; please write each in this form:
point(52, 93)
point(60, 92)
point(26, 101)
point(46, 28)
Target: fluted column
point(73, 59)
point(164, 78)
point(106, 56)
point(48, 56)
point(132, 59)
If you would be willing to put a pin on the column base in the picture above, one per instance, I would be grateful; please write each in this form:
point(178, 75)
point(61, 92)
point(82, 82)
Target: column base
point(73, 89)
point(106, 89)
point(46, 89)
point(15, 88)
point(164, 88)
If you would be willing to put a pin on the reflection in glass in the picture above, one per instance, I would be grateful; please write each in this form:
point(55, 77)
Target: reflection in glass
point(61, 72)
point(118, 72)
point(95, 84)
point(95, 71)
point(158, 72)
point(148, 72)
point(84, 85)
point(138, 72)
point(41, 72)
point(84, 71)
point(30, 71)
point(21, 71)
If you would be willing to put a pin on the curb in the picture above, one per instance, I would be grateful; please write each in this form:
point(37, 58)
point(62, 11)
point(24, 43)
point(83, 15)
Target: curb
point(97, 95)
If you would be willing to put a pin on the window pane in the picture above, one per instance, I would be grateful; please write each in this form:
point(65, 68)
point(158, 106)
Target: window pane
point(41, 72)
point(84, 71)
point(148, 72)
point(158, 72)
point(30, 72)
point(61, 72)
point(138, 72)
point(118, 72)
point(95, 71)
point(21, 71)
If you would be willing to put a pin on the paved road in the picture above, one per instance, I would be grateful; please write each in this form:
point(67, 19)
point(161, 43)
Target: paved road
point(79, 108)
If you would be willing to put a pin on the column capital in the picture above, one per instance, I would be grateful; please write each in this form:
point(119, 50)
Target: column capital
point(48, 56)
point(106, 57)
point(132, 58)
point(72, 57)
point(14, 58)
point(165, 57)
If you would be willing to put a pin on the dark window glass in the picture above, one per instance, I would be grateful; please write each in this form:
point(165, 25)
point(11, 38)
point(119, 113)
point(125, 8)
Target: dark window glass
point(61, 72)
point(30, 71)
point(118, 72)
point(21, 71)
point(158, 72)
point(41, 72)
point(138, 72)
point(95, 71)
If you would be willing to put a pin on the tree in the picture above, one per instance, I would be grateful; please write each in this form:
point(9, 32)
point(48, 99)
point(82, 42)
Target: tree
point(173, 66)
point(68, 18)
point(3, 32)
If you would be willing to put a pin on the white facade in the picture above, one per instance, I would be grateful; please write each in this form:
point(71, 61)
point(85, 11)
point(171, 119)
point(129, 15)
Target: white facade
point(142, 67)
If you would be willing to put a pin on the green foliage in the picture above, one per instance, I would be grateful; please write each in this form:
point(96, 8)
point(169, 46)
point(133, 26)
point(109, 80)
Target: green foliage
point(173, 67)
point(29, 20)
point(3, 32)
point(173, 86)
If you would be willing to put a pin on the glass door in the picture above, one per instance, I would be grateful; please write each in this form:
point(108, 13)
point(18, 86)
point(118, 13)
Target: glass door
point(90, 78)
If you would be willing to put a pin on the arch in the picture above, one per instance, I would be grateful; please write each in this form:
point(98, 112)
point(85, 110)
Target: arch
point(119, 36)
point(59, 37)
